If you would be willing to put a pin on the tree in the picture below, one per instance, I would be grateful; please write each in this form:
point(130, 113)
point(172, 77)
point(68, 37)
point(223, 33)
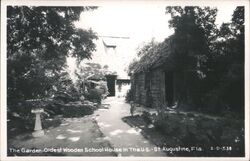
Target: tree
point(195, 30)
point(229, 62)
point(38, 41)
point(132, 66)
point(212, 57)
point(88, 71)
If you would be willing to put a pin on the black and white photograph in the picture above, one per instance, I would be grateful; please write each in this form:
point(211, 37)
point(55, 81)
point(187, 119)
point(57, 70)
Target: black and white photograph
point(125, 79)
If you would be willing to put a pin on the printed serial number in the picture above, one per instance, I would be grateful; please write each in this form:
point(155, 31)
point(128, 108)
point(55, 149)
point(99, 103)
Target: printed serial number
point(221, 148)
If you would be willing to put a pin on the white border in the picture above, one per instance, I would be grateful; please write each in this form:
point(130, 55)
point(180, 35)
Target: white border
point(4, 3)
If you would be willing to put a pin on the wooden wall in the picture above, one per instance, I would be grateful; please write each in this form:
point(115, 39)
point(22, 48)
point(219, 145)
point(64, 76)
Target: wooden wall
point(149, 95)
point(155, 95)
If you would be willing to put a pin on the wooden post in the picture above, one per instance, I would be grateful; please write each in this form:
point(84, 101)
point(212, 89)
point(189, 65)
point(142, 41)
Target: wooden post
point(38, 130)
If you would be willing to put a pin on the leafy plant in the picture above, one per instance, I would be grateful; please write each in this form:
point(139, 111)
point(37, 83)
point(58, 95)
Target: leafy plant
point(38, 41)
point(129, 96)
point(94, 95)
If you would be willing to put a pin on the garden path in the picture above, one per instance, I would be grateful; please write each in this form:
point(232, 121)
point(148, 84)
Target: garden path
point(119, 133)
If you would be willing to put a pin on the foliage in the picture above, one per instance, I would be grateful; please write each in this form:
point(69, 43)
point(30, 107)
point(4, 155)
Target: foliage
point(145, 55)
point(64, 97)
point(207, 61)
point(38, 41)
point(212, 58)
point(152, 54)
point(228, 63)
point(170, 121)
point(21, 120)
point(94, 95)
point(77, 110)
point(146, 117)
point(146, 48)
point(64, 89)
point(129, 96)
point(90, 71)
point(194, 30)
point(132, 66)
point(202, 131)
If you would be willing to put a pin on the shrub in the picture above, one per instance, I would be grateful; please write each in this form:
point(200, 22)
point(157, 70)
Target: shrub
point(129, 96)
point(94, 95)
point(77, 110)
point(20, 118)
point(48, 122)
point(191, 130)
point(168, 124)
point(146, 117)
point(64, 97)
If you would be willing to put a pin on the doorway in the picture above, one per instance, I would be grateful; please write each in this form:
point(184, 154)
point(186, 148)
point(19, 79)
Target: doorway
point(169, 88)
point(111, 81)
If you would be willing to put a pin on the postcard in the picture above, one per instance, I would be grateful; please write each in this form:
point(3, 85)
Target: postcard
point(124, 80)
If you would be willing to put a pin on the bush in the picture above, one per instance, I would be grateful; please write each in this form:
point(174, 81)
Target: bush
point(20, 118)
point(55, 108)
point(64, 97)
point(168, 124)
point(77, 110)
point(146, 117)
point(191, 130)
point(129, 96)
point(94, 95)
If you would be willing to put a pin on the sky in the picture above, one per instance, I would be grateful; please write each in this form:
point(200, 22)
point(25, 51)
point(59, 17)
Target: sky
point(141, 23)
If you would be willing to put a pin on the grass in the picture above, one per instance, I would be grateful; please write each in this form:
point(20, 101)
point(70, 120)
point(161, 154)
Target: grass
point(216, 136)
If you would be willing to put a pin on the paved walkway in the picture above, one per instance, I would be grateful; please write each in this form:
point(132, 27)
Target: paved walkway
point(120, 134)
point(71, 138)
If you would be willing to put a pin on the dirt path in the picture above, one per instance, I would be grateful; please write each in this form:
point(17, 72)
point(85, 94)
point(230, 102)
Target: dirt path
point(120, 134)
